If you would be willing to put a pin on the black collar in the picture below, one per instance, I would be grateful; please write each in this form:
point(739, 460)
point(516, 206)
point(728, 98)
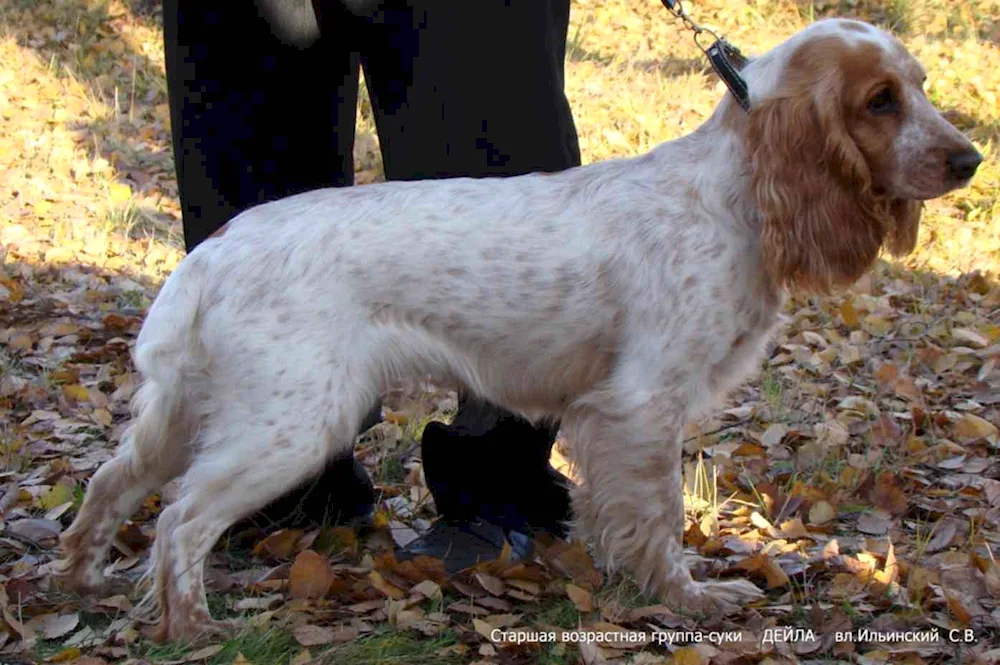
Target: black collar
point(727, 61)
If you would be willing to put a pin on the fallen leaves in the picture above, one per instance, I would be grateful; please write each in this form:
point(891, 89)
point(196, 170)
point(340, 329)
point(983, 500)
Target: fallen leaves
point(309, 635)
point(582, 599)
point(311, 576)
point(822, 512)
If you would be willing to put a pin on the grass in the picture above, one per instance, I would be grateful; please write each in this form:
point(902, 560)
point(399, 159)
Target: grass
point(273, 645)
point(390, 647)
point(559, 612)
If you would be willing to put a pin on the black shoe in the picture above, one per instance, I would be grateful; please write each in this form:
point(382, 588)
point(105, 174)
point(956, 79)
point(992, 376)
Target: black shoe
point(490, 477)
point(461, 544)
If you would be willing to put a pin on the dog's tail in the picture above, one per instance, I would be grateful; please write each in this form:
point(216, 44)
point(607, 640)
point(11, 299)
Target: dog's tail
point(167, 353)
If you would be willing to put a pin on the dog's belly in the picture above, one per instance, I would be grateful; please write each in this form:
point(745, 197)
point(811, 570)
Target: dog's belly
point(532, 369)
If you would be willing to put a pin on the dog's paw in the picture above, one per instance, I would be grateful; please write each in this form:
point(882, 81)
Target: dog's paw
point(721, 596)
point(76, 577)
point(193, 633)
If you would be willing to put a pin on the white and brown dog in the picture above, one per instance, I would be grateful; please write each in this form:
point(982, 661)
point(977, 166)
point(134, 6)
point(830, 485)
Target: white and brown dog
point(623, 298)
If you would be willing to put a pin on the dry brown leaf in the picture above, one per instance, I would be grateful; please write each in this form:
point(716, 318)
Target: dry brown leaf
point(886, 375)
point(943, 533)
point(118, 602)
point(992, 578)
point(309, 635)
point(427, 589)
point(367, 606)
point(971, 428)
point(583, 599)
point(384, 587)
point(848, 314)
point(492, 584)
point(53, 626)
point(483, 628)
point(794, 528)
point(970, 336)
point(874, 523)
point(889, 496)
point(822, 512)
point(311, 575)
point(907, 387)
point(204, 653)
point(957, 608)
point(532, 588)
point(280, 544)
point(765, 565)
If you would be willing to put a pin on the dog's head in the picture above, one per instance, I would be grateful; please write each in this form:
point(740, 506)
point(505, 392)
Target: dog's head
point(844, 147)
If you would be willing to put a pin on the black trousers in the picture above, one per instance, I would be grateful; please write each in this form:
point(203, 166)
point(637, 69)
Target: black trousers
point(458, 89)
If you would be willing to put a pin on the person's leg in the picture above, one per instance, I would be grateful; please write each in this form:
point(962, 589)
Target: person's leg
point(254, 119)
point(476, 89)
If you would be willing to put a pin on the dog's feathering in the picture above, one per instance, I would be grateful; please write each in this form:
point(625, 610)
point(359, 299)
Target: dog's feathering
point(623, 298)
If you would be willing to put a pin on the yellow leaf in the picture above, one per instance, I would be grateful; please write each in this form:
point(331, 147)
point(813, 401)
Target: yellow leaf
point(57, 495)
point(119, 192)
point(76, 392)
point(69, 653)
point(396, 417)
point(688, 656)
point(849, 314)
point(102, 417)
point(380, 519)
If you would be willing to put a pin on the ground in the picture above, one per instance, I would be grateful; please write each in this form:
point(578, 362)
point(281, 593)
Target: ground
point(854, 478)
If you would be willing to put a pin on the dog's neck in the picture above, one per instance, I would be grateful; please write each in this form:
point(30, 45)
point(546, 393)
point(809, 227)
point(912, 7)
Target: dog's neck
point(721, 179)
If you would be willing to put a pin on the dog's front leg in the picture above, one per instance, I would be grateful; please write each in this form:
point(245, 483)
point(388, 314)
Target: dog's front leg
point(631, 501)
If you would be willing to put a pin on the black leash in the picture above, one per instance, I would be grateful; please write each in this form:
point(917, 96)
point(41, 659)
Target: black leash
point(726, 59)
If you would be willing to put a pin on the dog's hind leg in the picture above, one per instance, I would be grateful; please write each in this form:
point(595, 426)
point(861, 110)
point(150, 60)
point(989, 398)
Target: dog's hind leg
point(153, 452)
point(245, 463)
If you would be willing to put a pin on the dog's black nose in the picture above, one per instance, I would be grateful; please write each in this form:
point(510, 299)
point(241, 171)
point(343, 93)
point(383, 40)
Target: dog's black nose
point(962, 165)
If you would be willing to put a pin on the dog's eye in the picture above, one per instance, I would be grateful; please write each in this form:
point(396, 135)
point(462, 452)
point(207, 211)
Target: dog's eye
point(884, 102)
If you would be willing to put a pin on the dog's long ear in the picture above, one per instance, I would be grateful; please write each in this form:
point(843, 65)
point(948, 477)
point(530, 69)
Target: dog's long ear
point(822, 225)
